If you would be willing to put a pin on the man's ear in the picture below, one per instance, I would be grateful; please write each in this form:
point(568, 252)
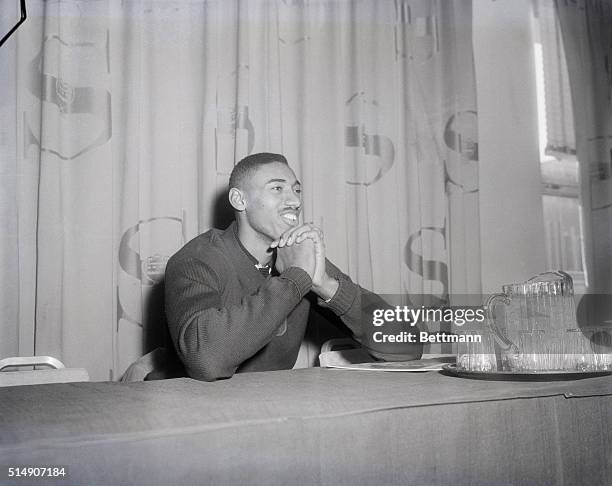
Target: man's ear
point(236, 199)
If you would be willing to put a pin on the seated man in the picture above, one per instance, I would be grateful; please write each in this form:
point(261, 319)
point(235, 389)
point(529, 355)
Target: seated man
point(236, 299)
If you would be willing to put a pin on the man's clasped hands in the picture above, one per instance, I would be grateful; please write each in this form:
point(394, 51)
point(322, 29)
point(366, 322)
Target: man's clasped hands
point(303, 246)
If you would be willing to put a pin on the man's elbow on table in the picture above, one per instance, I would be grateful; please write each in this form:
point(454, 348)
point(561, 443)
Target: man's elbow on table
point(201, 360)
point(199, 366)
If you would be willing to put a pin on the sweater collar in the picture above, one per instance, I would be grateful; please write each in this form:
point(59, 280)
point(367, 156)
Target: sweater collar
point(234, 228)
point(239, 253)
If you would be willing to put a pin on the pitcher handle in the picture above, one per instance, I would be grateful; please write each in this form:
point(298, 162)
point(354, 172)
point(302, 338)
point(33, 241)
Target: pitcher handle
point(499, 336)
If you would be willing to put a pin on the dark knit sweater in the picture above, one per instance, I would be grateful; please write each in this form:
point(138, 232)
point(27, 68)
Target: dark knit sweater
point(225, 317)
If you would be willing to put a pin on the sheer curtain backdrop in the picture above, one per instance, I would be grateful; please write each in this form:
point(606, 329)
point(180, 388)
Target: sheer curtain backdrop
point(121, 121)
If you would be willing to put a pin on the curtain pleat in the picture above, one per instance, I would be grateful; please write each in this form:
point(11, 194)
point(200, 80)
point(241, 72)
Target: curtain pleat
point(586, 26)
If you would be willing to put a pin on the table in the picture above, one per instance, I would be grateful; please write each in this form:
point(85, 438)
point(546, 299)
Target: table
point(314, 426)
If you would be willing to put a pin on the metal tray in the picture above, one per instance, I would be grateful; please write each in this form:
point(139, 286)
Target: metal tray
point(523, 375)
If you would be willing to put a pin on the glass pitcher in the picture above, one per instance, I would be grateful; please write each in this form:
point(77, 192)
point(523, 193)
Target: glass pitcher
point(543, 304)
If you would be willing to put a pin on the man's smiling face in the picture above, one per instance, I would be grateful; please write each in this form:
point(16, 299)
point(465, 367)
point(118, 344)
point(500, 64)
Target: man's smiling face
point(273, 200)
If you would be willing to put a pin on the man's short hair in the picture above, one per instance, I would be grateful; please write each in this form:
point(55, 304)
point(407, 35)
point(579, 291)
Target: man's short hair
point(245, 169)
